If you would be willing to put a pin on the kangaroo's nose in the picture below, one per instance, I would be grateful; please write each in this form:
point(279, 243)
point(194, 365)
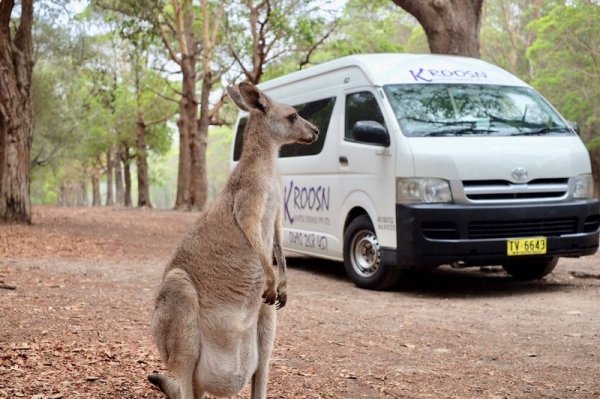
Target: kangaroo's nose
point(315, 130)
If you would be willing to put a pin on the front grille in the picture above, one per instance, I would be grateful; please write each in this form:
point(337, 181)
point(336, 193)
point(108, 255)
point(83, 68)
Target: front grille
point(522, 228)
point(440, 230)
point(505, 191)
point(591, 224)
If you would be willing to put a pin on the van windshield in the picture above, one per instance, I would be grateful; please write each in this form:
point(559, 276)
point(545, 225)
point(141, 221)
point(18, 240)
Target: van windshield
point(471, 109)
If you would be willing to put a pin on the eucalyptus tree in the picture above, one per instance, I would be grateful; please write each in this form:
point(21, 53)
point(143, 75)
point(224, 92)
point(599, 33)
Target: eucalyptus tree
point(266, 33)
point(452, 26)
point(16, 112)
point(506, 32)
point(565, 63)
point(190, 35)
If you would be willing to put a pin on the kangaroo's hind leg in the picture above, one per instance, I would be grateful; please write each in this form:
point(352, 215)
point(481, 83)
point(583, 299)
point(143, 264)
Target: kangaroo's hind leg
point(175, 326)
point(266, 335)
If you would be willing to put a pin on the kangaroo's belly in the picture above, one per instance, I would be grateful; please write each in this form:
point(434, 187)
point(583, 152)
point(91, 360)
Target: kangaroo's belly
point(228, 354)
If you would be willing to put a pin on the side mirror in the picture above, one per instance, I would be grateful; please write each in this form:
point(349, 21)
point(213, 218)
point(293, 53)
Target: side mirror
point(371, 132)
point(575, 126)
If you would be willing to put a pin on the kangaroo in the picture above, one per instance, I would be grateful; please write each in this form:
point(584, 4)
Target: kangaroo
point(212, 328)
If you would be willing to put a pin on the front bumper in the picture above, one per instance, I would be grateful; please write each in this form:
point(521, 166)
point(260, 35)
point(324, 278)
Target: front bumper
point(430, 235)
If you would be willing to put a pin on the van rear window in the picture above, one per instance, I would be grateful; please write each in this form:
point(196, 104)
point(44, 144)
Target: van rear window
point(317, 112)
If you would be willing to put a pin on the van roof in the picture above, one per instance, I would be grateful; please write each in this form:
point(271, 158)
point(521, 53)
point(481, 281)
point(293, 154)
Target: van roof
point(382, 69)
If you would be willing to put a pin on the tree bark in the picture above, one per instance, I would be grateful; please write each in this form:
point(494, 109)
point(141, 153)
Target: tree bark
point(96, 200)
point(83, 194)
point(120, 194)
point(595, 160)
point(16, 114)
point(126, 158)
point(188, 104)
point(141, 161)
point(199, 175)
point(109, 178)
point(451, 26)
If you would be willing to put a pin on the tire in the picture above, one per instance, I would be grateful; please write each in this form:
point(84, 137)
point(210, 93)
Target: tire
point(362, 257)
point(531, 268)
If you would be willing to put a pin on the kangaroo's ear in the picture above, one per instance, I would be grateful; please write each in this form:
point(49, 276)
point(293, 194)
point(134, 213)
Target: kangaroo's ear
point(254, 98)
point(234, 94)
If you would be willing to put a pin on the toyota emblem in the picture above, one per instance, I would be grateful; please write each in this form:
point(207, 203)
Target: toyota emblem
point(520, 174)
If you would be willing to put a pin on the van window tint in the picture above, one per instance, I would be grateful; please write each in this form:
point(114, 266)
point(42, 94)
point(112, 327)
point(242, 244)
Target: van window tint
point(317, 112)
point(361, 106)
point(239, 139)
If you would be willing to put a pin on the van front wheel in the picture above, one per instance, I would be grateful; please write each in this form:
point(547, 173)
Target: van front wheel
point(362, 257)
point(531, 268)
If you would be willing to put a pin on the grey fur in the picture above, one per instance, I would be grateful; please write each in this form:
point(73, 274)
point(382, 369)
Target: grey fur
point(213, 330)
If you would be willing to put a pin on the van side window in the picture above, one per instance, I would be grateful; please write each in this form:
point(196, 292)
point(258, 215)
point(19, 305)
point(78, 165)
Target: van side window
point(361, 106)
point(319, 114)
point(239, 138)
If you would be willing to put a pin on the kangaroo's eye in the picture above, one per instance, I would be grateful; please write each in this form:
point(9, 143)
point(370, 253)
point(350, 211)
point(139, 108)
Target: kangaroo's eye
point(292, 117)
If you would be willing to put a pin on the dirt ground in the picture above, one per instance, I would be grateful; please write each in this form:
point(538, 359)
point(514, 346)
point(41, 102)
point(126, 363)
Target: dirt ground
point(77, 324)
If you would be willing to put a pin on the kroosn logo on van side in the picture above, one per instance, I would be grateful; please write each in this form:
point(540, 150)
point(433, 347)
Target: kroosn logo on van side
point(299, 198)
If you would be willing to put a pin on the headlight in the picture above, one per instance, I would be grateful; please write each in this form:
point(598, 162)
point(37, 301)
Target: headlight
point(583, 186)
point(422, 190)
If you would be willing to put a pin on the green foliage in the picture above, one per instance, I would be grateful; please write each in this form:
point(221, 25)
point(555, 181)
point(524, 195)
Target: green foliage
point(506, 35)
point(363, 27)
point(373, 27)
point(565, 61)
point(91, 84)
point(218, 155)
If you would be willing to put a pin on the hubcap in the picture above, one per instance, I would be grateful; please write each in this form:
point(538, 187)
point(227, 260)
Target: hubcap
point(365, 255)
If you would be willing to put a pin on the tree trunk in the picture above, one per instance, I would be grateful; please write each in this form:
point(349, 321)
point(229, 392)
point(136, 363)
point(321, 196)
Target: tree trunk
point(83, 193)
point(16, 114)
point(188, 126)
point(595, 160)
point(109, 178)
point(127, 175)
point(451, 26)
point(199, 178)
point(142, 165)
point(199, 183)
point(120, 194)
point(96, 201)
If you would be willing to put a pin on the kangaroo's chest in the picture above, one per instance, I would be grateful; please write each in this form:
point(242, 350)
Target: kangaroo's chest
point(272, 207)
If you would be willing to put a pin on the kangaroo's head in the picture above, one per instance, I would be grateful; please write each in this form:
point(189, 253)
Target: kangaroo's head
point(280, 122)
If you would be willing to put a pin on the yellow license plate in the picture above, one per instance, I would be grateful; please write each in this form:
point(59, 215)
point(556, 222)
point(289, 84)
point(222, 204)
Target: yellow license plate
point(526, 246)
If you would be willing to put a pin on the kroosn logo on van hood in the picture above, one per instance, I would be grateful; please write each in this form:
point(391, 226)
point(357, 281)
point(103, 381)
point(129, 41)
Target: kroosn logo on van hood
point(430, 75)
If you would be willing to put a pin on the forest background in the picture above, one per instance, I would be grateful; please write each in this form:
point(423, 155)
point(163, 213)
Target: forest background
point(110, 99)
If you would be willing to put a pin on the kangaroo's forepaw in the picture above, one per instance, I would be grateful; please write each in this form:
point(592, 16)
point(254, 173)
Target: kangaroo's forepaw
point(270, 295)
point(281, 300)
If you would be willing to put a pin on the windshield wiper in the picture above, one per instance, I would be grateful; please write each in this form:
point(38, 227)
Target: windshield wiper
point(445, 123)
point(543, 130)
point(459, 132)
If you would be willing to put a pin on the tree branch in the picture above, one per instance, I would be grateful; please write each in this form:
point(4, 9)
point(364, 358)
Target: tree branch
point(240, 63)
point(23, 39)
point(163, 96)
point(6, 7)
point(160, 120)
point(310, 51)
point(165, 40)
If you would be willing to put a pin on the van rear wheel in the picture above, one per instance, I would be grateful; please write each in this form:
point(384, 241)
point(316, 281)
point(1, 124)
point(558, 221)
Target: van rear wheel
point(531, 268)
point(362, 257)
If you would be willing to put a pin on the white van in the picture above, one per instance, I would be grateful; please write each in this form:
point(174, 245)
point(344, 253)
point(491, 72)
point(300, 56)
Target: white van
point(426, 160)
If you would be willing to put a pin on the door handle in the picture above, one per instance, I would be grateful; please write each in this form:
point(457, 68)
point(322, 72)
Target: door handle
point(343, 160)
